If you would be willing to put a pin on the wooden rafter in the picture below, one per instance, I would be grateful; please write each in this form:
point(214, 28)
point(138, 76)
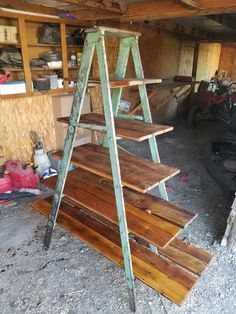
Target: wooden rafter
point(193, 4)
point(111, 6)
point(26, 6)
point(164, 9)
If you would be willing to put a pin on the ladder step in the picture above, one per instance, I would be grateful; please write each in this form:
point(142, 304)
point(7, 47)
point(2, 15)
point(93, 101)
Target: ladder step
point(157, 272)
point(130, 129)
point(175, 214)
point(137, 173)
point(113, 31)
point(187, 256)
point(117, 82)
point(102, 206)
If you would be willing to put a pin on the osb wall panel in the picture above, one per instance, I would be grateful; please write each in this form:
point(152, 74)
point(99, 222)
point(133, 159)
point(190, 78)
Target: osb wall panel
point(185, 65)
point(18, 117)
point(208, 60)
point(228, 60)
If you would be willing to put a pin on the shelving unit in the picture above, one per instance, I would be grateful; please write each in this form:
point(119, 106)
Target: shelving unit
point(105, 201)
point(27, 31)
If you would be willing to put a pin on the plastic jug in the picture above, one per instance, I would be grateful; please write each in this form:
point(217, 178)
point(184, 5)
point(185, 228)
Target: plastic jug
point(22, 177)
point(5, 186)
point(41, 161)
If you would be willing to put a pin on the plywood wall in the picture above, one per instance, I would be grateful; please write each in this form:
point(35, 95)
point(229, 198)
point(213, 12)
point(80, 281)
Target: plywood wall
point(228, 60)
point(18, 117)
point(208, 60)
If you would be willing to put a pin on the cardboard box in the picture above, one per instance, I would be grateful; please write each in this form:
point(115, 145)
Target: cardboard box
point(8, 34)
point(62, 108)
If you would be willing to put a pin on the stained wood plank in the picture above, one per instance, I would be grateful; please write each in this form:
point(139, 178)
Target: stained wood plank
point(101, 205)
point(116, 83)
point(130, 129)
point(171, 212)
point(136, 173)
point(160, 274)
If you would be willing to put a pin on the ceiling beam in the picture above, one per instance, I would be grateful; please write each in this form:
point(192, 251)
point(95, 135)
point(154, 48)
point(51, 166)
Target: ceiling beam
point(25, 6)
point(111, 6)
point(166, 9)
point(192, 4)
point(224, 20)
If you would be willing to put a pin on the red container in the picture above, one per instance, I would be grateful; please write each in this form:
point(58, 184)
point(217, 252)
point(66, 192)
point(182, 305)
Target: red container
point(22, 178)
point(5, 186)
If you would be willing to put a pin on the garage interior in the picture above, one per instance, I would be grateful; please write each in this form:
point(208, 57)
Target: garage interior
point(144, 220)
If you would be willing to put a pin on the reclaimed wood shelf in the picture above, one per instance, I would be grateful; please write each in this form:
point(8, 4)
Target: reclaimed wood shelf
point(156, 271)
point(150, 228)
point(171, 212)
point(116, 83)
point(137, 173)
point(131, 129)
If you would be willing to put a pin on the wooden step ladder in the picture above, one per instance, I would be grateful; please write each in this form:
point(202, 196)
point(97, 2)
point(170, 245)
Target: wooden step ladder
point(104, 202)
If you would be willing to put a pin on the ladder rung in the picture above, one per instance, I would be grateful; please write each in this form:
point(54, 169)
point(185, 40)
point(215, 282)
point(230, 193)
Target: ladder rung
point(131, 129)
point(102, 206)
point(116, 83)
point(113, 31)
point(137, 173)
point(161, 274)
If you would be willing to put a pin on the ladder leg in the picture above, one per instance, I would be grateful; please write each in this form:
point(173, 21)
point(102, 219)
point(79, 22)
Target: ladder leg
point(120, 71)
point(124, 235)
point(71, 132)
point(146, 110)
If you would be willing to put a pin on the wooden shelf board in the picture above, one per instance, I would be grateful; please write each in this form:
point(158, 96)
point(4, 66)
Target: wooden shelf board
point(173, 213)
point(31, 94)
point(116, 83)
point(136, 173)
point(159, 273)
point(9, 43)
point(102, 206)
point(130, 129)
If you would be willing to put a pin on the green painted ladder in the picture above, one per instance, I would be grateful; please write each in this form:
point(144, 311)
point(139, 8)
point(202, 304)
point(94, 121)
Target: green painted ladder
point(128, 43)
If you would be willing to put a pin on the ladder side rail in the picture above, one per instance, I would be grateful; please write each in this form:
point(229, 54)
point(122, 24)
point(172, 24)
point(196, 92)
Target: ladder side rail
point(86, 62)
point(146, 109)
point(124, 234)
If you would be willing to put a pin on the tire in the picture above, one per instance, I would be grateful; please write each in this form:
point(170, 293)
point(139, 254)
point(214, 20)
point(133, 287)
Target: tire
point(194, 116)
point(232, 124)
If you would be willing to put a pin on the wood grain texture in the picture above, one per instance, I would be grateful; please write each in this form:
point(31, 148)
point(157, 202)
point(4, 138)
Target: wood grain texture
point(115, 83)
point(137, 173)
point(101, 205)
point(171, 212)
point(160, 274)
point(130, 129)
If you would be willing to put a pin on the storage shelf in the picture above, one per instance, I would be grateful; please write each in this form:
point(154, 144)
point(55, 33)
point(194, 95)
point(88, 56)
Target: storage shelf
point(49, 92)
point(137, 173)
point(9, 44)
point(130, 129)
point(52, 45)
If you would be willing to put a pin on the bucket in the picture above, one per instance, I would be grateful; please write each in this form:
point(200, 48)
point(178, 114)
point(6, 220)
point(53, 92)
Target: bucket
point(5, 186)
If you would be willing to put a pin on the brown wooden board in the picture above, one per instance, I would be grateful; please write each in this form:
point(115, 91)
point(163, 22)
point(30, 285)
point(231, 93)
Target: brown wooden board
point(117, 83)
point(136, 173)
point(173, 213)
point(101, 205)
point(130, 129)
point(160, 274)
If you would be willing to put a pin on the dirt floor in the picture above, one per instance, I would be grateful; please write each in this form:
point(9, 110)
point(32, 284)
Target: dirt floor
point(72, 278)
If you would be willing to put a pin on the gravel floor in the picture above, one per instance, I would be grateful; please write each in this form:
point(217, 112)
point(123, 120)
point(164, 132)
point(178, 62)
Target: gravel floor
point(72, 278)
